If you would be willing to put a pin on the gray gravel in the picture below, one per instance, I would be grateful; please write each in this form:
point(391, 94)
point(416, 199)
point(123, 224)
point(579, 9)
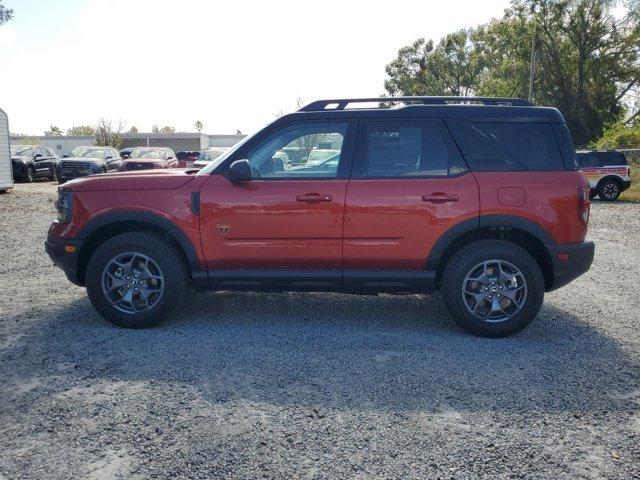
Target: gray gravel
point(316, 385)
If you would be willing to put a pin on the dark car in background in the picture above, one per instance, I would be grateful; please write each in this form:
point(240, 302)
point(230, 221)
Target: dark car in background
point(608, 172)
point(147, 158)
point(89, 160)
point(207, 156)
point(30, 162)
point(126, 152)
point(186, 158)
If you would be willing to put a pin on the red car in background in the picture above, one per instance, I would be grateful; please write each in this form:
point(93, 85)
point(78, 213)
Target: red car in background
point(186, 158)
point(147, 158)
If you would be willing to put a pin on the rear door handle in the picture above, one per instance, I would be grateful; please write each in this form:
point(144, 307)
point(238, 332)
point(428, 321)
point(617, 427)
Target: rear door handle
point(314, 197)
point(439, 197)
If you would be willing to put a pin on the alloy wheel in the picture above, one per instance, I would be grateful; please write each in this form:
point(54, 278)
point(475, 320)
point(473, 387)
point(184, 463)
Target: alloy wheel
point(494, 291)
point(132, 282)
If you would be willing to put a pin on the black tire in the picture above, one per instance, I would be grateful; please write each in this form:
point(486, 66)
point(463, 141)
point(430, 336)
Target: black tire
point(162, 253)
point(610, 190)
point(31, 174)
point(54, 174)
point(464, 261)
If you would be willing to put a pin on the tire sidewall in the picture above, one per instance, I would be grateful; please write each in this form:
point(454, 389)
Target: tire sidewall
point(468, 258)
point(32, 171)
point(162, 254)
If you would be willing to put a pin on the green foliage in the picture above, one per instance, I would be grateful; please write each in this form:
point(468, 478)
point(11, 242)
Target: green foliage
point(198, 126)
point(81, 131)
point(165, 129)
point(619, 135)
point(133, 129)
point(55, 130)
point(587, 61)
point(106, 134)
point(6, 14)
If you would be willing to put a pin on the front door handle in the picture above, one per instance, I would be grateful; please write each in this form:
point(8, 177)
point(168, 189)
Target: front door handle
point(440, 197)
point(314, 197)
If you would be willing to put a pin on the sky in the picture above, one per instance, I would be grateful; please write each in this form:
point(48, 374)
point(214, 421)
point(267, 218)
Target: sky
point(233, 65)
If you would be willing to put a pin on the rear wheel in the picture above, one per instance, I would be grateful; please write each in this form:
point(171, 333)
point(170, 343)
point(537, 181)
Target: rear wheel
point(136, 279)
point(609, 190)
point(54, 173)
point(493, 288)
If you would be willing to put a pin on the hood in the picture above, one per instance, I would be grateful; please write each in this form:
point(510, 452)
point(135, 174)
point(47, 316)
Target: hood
point(161, 179)
point(82, 159)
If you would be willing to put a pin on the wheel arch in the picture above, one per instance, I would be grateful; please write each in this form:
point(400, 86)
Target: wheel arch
point(520, 231)
point(615, 178)
point(105, 226)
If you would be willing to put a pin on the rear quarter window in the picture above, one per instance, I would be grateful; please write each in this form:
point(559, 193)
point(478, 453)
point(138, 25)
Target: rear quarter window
point(507, 146)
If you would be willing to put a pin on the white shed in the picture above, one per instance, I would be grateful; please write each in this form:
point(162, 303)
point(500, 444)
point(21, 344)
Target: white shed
point(6, 172)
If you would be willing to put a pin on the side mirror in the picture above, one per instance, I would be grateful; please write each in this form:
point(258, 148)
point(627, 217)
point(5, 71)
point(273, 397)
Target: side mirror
point(109, 157)
point(66, 155)
point(239, 171)
point(125, 156)
point(37, 155)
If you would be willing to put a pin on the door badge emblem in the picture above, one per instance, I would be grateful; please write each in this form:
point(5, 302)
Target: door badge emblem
point(224, 228)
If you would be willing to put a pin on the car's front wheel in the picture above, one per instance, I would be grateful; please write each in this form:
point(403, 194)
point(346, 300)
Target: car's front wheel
point(492, 288)
point(54, 174)
point(136, 279)
point(31, 174)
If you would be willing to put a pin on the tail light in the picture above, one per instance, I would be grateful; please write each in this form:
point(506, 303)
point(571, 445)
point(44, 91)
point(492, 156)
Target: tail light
point(584, 204)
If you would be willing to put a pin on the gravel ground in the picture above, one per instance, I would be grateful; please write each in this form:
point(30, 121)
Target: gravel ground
point(316, 385)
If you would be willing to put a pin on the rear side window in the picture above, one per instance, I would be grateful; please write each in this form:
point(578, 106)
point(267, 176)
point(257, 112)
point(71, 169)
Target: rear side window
point(601, 159)
point(514, 146)
point(406, 148)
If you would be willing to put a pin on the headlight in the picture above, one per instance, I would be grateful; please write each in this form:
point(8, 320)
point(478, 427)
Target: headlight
point(64, 206)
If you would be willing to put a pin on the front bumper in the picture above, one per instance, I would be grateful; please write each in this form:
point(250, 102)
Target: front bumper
point(57, 249)
point(569, 262)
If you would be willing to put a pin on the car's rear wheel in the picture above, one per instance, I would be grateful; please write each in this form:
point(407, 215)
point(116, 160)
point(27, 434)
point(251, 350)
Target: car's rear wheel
point(31, 174)
point(492, 288)
point(609, 190)
point(54, 173)
point(136, 279)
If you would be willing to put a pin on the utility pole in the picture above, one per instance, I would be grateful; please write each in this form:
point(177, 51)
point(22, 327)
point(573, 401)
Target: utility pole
point(533, 64)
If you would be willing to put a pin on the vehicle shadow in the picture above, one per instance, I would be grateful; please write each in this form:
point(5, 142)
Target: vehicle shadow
point(334, 351)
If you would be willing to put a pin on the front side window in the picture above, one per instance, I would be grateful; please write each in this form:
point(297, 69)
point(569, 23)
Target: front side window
point(312, 150)
point(406, 148)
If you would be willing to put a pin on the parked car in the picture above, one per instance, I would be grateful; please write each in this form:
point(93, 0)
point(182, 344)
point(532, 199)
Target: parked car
point(608, 173)
point(483, 202)
point(186, 158)
point(30, 162)
point(88, 160)
point(208, 155)
point(146, 158)
point(126, 152)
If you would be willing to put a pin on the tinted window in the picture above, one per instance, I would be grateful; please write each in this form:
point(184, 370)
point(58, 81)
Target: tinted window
point(406, 148)
point(514, 146)
point(611, 158)
point(294, 152)
point(588, 160)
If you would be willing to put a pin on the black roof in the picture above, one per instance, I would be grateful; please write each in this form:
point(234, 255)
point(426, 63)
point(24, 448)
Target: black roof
point(478, 109)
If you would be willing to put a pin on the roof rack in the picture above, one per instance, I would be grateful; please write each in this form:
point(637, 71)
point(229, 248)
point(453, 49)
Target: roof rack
point(341, 103)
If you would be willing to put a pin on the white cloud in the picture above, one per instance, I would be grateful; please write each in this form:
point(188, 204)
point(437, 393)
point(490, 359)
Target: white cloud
point(230, 64)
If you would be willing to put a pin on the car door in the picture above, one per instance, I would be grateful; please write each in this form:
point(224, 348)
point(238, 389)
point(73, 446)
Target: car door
point(171, 160)
point(284, 225)
point(408, 187)
point(112, 159)
point(42, 162)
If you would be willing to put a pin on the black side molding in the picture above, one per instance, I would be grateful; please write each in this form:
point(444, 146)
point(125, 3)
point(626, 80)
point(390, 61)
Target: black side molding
point(195, 202)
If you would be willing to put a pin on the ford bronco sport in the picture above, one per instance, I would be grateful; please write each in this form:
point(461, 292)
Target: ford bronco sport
point(480, 198)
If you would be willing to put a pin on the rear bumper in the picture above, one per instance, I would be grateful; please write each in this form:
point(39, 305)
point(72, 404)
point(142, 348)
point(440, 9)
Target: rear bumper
point(67, 261)
point(626, 184)
point(569, 262)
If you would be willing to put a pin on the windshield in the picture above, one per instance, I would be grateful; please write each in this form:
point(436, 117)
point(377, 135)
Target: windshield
point(214, 163)
point(319, 156)
point(21, 151)
point(148, 154)
point(209, 155)
point(88, 152)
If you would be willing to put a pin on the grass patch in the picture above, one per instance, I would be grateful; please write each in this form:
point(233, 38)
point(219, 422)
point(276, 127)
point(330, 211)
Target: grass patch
point(633, 194)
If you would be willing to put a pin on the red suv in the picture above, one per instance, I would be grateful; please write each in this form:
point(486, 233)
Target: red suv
point(480, 198)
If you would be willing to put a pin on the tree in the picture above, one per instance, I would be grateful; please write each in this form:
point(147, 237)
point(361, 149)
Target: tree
point(133, 129)
point(106, 134)
point(165, 129)
point(81, 131)
point(55, 130)
point(6, 14)
point(198, 126)
point(619, 135)
point(587, 61)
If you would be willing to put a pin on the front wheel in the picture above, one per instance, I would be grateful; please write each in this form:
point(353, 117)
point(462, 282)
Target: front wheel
point(54, 174)
point(31, 174)
point(492, 288)
point(136, 279)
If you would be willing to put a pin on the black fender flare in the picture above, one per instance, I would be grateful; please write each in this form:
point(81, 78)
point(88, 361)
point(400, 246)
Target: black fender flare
point(485, 221)
point(158, 221)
